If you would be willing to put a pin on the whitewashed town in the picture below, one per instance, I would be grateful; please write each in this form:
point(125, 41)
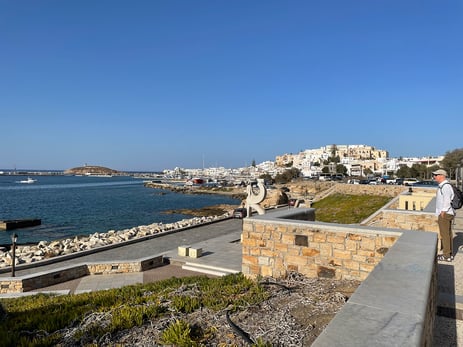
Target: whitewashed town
point(357, 160)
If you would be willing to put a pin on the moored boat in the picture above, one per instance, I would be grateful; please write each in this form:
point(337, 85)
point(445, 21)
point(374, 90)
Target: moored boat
point(28, 181)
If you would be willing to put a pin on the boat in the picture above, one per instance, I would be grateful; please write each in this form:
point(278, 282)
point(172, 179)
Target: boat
point(28, 181)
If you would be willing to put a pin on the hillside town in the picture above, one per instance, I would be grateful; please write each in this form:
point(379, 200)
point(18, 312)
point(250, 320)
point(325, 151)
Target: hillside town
point(358, 160)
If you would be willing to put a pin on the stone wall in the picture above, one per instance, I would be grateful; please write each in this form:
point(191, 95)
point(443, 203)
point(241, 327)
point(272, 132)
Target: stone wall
point(45, 279)
point(367, 189)
point(316, 190)
point(273, 246)
point(396, 302)
point(405, 220)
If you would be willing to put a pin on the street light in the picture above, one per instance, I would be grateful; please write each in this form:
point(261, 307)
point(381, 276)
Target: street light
point(14, 238)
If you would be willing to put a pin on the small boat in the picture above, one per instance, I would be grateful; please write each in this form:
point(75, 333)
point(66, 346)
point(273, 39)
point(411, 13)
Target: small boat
point(28, 181)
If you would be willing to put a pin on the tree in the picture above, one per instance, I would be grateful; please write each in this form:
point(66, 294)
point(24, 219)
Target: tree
point(253, 164)
point(418, 170)
point(287, 175)
point(452, 160)
point(367, 171)
point(267, 178)
point(341, 169)
point(404, 171)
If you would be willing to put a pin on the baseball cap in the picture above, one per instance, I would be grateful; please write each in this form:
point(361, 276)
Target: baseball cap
point(440, 172)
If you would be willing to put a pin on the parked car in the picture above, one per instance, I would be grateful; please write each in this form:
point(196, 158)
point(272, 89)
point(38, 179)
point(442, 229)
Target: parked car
point(410, 181)
point(399, 181)
point(240, 213)
point(295, 202)
point(337, 177)
point(426, 183)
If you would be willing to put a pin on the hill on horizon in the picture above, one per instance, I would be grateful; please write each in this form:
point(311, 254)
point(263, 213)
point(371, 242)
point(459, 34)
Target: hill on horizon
point(90, 170)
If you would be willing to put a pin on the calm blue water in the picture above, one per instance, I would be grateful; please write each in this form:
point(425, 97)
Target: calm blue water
point(70, 205)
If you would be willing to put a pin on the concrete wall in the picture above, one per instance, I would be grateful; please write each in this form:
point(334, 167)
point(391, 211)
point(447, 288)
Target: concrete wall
point(416, 200)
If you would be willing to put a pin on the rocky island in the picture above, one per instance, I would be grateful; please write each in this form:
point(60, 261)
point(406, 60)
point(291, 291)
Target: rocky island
point(91, 170)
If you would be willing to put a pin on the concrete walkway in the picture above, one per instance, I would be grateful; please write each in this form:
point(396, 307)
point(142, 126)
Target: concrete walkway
point(221, 247)
point(221, 254)
point(448, 329)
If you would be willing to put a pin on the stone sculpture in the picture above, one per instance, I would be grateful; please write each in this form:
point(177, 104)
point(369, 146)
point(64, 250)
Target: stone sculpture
point(256, 194)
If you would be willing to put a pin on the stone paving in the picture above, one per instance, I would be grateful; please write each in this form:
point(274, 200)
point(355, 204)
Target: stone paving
point(448, 329)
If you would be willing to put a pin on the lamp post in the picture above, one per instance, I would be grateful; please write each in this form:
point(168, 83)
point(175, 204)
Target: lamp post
point(14, 238)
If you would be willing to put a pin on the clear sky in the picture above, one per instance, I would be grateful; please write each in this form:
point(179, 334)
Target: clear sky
point(155, 84)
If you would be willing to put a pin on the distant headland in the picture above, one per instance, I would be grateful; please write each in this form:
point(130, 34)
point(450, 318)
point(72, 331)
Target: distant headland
point(91, 170)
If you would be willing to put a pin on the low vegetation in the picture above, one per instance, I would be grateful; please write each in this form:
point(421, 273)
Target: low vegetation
point(348, 209)
point(45, 320)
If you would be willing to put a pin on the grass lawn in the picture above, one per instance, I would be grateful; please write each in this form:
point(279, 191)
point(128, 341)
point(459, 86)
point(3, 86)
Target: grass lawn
point(347, 209)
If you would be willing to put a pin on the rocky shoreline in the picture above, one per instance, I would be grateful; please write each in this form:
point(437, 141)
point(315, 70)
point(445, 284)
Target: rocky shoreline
point(26, 254)
point(237, 193)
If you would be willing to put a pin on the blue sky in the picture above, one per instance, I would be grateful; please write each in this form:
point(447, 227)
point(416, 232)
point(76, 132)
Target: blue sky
point(149, 85)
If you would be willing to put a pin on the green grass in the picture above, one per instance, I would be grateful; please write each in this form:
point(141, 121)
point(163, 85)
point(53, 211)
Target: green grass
point(38, 320)
point(347, 209)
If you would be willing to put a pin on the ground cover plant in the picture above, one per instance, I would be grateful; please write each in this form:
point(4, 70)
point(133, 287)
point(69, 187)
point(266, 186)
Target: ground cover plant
point(43, 320)
point(348, 209)
point(193, 311)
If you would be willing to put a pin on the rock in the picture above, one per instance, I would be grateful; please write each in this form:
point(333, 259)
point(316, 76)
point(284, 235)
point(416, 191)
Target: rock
point(44, 249)
point(275, 197)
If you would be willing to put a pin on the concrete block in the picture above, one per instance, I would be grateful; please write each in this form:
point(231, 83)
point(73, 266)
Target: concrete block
point(183, 251)
point(195, 252)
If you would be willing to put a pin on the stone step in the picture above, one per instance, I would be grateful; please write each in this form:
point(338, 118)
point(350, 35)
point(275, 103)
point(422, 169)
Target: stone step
point(207, 269)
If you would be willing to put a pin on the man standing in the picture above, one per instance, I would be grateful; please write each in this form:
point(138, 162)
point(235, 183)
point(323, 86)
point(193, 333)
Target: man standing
point(445, 213)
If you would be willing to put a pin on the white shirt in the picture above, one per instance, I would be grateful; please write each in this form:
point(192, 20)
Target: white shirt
point(444, 197)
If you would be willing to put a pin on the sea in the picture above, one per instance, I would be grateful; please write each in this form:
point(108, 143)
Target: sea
point(81, 205)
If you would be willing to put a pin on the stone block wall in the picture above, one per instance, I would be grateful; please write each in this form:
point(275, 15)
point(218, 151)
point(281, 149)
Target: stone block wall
point(113, 268)
point(44, 279)
point(404, 220)
point(396, 304)
point(274, 248)
point(366, 189)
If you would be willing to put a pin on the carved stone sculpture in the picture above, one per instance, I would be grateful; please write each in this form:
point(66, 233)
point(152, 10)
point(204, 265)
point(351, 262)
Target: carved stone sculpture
point(256, 194)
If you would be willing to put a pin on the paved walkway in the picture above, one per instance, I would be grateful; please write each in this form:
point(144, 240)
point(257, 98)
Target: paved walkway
point(448, 329)
point(221, 254)
point(220, 243)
